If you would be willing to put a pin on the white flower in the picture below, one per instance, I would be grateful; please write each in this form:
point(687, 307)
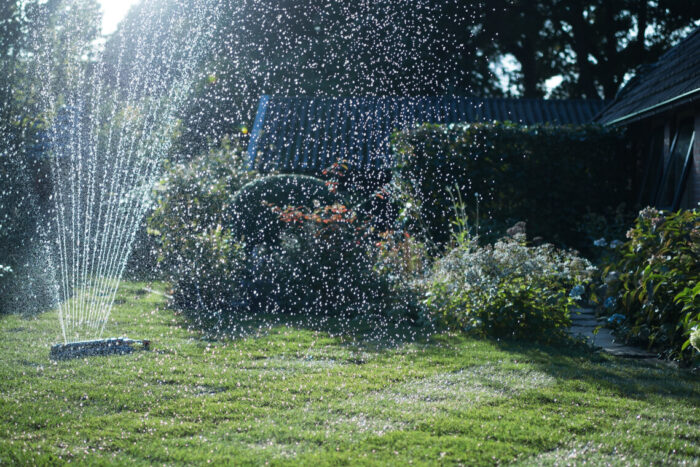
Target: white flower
point(695, 339)
point(611, 277)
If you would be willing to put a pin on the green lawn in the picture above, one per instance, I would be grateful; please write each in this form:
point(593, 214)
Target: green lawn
point(299, 396)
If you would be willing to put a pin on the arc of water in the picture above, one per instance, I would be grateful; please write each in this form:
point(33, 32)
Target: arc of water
point(102, 179)
point(96, 259)
point(118, 186)
point(175, 95)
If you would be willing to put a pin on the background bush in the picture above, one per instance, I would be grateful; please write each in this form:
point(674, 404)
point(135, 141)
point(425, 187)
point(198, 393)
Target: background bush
point(24, 197)
point(652, 281)
point(549, 176)
point(277, 244)
point(320, 263)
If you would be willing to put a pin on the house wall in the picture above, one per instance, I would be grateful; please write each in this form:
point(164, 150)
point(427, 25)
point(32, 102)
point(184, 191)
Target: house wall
point(666, 124)
point(693, 187)
point(691, 197)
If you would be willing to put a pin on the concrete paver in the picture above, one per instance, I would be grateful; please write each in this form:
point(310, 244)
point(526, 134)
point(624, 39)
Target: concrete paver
point(584, 322)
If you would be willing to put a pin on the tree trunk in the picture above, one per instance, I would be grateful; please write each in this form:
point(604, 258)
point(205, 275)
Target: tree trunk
point(585, 87)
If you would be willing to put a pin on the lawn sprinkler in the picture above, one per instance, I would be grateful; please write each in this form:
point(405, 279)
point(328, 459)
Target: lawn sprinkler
point(114, 345)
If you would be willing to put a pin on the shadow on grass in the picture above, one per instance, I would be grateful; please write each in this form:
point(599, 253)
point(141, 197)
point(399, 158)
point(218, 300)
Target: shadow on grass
point(632, 378)
point(570, 360)
point(371, 331)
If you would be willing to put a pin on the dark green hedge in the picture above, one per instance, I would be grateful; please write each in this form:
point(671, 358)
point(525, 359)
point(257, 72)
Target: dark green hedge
point(549, 176)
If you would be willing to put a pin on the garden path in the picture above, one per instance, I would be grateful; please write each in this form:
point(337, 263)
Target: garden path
point(584, 323)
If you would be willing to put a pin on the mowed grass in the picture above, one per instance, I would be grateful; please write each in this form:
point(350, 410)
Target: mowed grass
point(297, 396)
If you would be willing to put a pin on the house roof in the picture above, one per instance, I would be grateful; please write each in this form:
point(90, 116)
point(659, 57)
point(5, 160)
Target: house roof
point(673, 80)
point(304, 134)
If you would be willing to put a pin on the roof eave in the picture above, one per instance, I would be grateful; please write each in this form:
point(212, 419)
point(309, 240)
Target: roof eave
point(656, 109)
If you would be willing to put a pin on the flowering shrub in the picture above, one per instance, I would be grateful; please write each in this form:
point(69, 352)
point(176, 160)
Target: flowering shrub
point(401, 257)
point(652, 281)
point(604, 231)
point(507, 289)
point(321, 263)
point(251, 215)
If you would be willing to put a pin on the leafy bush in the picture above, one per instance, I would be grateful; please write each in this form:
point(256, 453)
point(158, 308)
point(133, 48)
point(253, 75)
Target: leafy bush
point(214, 286)
point(607, 227)
point(196, 249)
point(5, 271)
point(549, 176)
point(402, 257)
point(508, 289)
point(251, 213)
point(652, 281)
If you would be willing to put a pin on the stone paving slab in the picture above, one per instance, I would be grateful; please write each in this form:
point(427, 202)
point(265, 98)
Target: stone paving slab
point(585, 322)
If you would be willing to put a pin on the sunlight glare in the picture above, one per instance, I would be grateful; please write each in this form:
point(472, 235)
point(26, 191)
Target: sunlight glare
point(113, 11)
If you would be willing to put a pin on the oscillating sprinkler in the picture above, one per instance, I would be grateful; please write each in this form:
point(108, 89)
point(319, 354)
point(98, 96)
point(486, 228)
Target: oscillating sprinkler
point(114, 345)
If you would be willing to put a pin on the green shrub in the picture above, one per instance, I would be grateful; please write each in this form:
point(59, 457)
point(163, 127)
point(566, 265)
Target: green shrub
point(251, 214)
point(5, 271)
point(652, 281)
point(196, 249)
point(508, 289)
point(549, 176)
point(213, 287)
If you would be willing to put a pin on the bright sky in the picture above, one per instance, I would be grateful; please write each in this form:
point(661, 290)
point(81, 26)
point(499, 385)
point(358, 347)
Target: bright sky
point(114, 11)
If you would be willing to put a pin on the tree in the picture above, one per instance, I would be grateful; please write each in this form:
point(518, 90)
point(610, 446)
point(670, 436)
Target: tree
point(593, 45)
point(610, 38)
point(338, 48)
point(415, 47)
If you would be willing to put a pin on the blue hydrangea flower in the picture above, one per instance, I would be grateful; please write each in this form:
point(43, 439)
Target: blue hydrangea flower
point(577, 292)
point(617, 318)
point(615, 244)
point(610, 302)
point(601, 242)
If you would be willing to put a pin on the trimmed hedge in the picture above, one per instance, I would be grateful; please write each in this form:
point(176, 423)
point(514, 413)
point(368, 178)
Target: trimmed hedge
point(549, 176)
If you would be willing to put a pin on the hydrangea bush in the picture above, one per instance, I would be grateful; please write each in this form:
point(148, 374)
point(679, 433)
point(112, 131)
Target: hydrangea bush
point(508, 289)
point(651, 282)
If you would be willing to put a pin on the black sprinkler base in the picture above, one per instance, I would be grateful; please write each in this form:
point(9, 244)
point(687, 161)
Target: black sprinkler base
point(115, 345)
